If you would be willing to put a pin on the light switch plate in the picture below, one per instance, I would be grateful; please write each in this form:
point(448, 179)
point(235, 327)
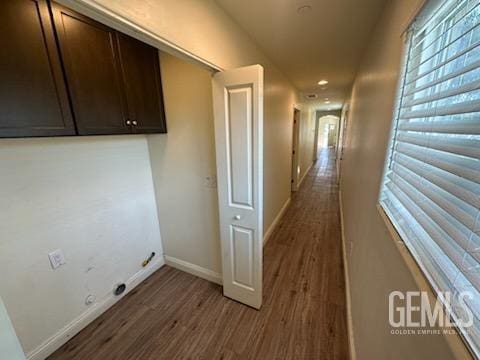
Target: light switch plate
point(210, 182)
point(56, 258)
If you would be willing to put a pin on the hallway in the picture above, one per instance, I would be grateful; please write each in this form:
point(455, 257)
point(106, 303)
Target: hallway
point(174, 315)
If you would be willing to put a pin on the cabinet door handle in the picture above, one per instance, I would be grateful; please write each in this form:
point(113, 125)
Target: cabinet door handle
point(134, 122)
point(237, 217)
point(129, 122)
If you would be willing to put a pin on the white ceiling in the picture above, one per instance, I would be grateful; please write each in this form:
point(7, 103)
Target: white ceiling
point(326, 42)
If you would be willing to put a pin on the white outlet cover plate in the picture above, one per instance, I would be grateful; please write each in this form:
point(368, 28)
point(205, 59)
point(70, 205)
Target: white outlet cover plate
point(56, 258)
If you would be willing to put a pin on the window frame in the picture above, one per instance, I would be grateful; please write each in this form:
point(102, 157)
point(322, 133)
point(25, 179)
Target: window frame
point(461, 344)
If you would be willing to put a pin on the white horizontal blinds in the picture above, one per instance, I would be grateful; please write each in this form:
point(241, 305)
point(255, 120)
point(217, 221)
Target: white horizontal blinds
point(431, 186)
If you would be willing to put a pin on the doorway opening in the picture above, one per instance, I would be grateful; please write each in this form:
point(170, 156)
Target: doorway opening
point(295, 141)
point(327, 129)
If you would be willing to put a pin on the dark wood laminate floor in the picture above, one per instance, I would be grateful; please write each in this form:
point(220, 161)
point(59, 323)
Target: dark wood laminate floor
point(174, 315)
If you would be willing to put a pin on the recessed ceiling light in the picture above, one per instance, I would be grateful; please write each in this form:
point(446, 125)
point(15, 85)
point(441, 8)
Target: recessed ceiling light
point(304, 9)
point(327, 102)
point(323, 82)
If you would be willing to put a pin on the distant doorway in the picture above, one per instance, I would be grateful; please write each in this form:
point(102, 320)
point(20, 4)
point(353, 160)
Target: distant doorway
point(327, 130)
point(295, 135)
point(329, 136)
point(326, 133)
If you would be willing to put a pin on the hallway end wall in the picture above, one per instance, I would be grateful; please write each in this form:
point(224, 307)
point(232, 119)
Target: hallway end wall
point(375, 266)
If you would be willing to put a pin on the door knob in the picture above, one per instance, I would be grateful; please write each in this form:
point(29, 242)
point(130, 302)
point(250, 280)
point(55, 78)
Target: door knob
point(129, 122)
point(134, 122)
point(237, 217)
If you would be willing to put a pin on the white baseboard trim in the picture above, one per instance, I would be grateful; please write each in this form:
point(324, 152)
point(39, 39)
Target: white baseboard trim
point(194, 269)
point(275, 222)
point(304, 176)
point(67, 332)
point(351, 340)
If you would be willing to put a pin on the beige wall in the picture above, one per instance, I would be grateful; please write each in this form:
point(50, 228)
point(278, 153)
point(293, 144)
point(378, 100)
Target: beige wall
point(182, 161)
point(375, 265)
point(306, 141)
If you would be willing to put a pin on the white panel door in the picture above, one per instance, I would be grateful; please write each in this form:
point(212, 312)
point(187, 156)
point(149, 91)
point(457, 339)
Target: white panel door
point(238, 108)
point(9, 345)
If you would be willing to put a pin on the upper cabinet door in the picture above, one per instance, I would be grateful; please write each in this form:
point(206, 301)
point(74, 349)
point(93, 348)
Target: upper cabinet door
point(33, 97)
point(141, 75)
point(90, 55)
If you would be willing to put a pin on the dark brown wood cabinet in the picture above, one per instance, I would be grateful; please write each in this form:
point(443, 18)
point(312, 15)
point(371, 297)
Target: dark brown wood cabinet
point(33, 96)
point(141, 76)
point(114, 80)
point(90, 55)
point(63, 73)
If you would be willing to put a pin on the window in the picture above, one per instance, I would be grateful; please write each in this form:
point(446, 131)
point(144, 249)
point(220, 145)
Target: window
point(431, 185)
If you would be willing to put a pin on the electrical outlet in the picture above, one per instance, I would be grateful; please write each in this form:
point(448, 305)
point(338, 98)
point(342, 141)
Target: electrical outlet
point(56, 258)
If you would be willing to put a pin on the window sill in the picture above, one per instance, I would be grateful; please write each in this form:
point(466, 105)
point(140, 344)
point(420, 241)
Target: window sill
point(456, 342)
